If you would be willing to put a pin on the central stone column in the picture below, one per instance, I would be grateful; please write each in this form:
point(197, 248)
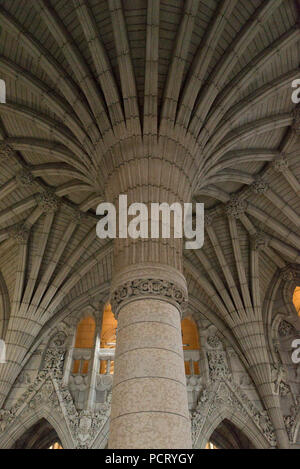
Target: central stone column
point(149, 400)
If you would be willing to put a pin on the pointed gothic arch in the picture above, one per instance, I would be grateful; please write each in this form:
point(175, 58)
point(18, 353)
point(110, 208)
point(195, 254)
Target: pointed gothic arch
point(41, 435)
point(24, 423)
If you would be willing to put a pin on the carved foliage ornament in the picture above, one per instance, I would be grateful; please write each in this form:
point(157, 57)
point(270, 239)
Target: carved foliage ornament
point(47, 201)
point(236, 207)
point(24, 178)
point(285, 329)
point(228, 394)
point(217, 365)
point(214, 341)
point(288, 274)
point(259, 186)
point(148, 287)
point(6, 151)
point(280, 164)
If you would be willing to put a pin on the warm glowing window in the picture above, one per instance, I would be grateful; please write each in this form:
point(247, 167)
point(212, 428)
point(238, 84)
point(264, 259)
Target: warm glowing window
point(85, 337)
point(85, 333)
point(108, 338)
point(56, 446)
point(210, 446)
point(296, 299)
point(108, 330)
point(190, 339)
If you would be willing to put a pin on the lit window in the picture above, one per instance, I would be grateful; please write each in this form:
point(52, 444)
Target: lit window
point(296, 299)
point(85, 337)
point(56, 445)
point(108, 338)
point(210, 445)
point(190, 341)
point(108, 330)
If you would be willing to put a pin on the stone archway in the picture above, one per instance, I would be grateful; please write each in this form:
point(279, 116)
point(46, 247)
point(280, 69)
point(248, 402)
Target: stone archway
point(41, 435)
point(228, 436)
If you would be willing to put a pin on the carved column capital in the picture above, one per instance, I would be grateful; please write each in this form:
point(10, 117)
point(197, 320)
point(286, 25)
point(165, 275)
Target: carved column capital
point(146, 282)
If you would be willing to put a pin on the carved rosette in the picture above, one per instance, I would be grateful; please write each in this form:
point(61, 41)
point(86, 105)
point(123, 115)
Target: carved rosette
point(288, 274)
point(281, 163)
point(148, 288)
point(213, 341)
point(259, 186)
point(6, 151)
point(235, 207)
point(47, 201)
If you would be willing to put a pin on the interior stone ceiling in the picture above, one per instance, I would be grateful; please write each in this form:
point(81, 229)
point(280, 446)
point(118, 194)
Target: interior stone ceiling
point(90, 80)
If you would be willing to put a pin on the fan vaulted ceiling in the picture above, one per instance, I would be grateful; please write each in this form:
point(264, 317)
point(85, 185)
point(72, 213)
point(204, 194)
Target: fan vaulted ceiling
point(83, 76)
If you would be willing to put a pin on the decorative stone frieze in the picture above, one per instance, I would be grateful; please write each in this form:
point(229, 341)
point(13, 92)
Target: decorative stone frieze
point(48, 201)
point(217, 364)
point(236, 207)
point(259, 186)
point(148, 288)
